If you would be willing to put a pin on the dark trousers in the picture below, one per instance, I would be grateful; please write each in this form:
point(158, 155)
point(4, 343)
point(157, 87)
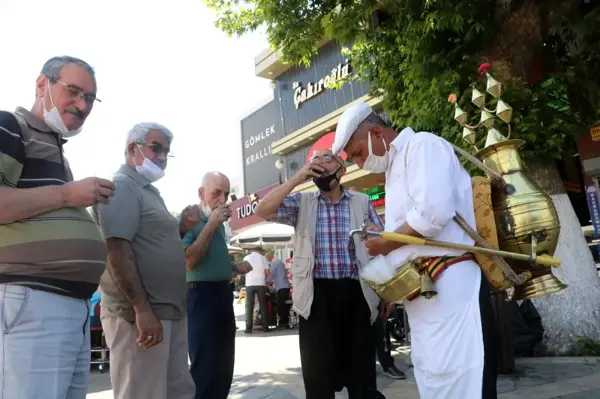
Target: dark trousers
point(488, 327)
point(283, 309)
point(211, 338)
point(383, 343)
point(337, 342)
point(251, 293)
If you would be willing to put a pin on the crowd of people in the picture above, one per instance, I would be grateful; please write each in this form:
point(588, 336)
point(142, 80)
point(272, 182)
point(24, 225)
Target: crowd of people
point(165, 281)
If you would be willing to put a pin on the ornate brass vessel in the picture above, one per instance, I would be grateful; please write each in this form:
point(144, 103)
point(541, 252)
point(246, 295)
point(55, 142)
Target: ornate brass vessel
point(526, 219)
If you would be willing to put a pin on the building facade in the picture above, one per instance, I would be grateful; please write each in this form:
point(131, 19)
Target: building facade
point(279, 137)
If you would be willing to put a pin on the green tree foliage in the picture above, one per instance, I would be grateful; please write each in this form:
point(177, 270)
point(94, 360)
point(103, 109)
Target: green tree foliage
point(545, 52)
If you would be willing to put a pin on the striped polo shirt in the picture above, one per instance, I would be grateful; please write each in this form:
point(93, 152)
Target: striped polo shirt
point(61, 251)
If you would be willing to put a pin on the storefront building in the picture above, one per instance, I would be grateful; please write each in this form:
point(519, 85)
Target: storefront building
point(279, 138)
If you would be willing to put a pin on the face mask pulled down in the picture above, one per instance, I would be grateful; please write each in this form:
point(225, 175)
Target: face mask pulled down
point(149, 170)
point(376, 163)
point(329, 182)
point(55, 122)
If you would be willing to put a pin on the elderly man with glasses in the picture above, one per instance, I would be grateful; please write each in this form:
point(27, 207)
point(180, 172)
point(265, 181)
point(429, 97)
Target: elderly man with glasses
point(143, 289)
point(51, 252)
point(337, 344)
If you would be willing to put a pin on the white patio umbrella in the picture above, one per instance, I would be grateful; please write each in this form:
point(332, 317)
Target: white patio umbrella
point(265, 235)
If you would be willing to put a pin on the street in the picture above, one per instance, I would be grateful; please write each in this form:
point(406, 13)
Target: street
point(268, 367)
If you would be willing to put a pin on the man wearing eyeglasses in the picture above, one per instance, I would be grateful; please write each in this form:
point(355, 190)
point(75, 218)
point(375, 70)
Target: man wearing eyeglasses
point(51, 252)
point(337, 342)
point(144, 289)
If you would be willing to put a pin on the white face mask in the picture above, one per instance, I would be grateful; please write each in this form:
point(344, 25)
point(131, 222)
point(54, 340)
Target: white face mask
point(376, 163)
point(55, 121)
point(206, 209)
point(148, 169)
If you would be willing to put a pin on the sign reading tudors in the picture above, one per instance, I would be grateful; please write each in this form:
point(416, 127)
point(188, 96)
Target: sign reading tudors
point(244, 209)
point(303, 94)
point(259, 130)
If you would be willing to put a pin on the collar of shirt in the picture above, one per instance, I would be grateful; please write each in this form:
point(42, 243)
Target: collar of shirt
point(34, 122)
point(398, 144)
point(345, 194)
point(135, 176)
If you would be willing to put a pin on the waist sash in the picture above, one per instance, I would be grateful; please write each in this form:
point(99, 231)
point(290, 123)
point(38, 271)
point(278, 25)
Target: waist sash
point(436, 265)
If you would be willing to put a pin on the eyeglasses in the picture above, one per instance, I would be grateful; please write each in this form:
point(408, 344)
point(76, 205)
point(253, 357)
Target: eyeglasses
point(157, 149)
point(77, 92)
point(324, 158)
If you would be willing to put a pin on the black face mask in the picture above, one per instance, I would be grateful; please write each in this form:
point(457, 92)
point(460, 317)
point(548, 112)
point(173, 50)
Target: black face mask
point(327, 183)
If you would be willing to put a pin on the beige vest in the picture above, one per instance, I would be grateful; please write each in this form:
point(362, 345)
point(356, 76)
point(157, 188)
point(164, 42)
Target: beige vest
point(304, 256)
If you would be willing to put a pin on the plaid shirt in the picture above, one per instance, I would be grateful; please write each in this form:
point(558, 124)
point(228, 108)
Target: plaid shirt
point(335, 257)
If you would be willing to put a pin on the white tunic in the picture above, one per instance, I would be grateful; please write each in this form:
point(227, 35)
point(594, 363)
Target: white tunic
point(425, 187)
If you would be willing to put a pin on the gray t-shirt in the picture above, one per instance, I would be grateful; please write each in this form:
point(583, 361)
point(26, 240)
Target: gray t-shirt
point(137, 213)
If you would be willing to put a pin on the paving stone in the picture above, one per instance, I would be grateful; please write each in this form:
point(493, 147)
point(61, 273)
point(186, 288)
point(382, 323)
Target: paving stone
point(588, 394)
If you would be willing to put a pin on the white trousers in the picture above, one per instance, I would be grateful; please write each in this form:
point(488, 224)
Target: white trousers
point(446, 336)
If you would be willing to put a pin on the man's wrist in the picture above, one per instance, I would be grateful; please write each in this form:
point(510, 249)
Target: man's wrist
point(142, 306)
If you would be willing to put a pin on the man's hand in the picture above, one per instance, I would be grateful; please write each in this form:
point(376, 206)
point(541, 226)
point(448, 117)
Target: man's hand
point(88, 192)
point(190, 217)
point(220, 215)
point(243, 267)
point(150, 331)
point(312, 169)
point(377, 246)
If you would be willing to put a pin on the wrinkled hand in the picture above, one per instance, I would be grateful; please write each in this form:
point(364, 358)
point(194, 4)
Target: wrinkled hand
point(190, 217)
point(243, 267)
point(88, 192)
point(220, 214)
point(377, 246)
point(312, 169)
point(150, 331)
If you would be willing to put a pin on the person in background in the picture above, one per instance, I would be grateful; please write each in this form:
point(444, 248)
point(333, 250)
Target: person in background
point(211, 328)
point(336, 309)
point(51, 252)
point(256, 286)
point(143, 289)
point(278, 277)
point(383, 343)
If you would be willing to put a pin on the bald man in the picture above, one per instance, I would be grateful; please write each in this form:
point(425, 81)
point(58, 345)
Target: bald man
point(211, 322)
point(337, 310)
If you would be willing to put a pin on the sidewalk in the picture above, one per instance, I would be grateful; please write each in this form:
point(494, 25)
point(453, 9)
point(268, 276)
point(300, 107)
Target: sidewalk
point(535, 378)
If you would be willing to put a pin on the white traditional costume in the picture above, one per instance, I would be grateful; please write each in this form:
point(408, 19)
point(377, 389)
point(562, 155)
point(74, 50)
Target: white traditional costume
point(425, 187)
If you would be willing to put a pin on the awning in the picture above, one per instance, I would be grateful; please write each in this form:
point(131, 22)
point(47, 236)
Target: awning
point(267, 234)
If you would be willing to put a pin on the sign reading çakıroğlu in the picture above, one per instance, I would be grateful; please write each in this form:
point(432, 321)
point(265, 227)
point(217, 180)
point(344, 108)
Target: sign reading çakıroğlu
point(259, 131)
point(303, 94)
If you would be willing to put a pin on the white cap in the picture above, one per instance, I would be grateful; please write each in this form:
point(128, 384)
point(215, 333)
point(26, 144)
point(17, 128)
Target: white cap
point(348, 123)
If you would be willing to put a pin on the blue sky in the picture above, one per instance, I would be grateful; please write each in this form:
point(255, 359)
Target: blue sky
point(161, 61)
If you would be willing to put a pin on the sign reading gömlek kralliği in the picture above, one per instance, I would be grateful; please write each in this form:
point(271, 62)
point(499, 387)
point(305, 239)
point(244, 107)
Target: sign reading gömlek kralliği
point(312, 89)
point(259, 131)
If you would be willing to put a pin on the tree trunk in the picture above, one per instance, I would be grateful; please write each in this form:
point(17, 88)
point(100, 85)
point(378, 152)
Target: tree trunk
point(575, 311)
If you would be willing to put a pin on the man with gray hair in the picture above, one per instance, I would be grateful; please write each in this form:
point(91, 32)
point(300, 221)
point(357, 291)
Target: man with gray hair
point(143, 289)
point(51, 252)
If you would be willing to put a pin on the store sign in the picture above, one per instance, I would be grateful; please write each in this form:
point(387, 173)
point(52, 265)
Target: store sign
point(313, 89)
point(248, 209)
point(377, 196)
point(595, 132)
point(594, 207)
point(244, 209)
point(259, 131)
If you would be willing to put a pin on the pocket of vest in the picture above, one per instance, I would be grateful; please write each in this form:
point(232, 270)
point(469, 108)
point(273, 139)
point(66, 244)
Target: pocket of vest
point(300, 266)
